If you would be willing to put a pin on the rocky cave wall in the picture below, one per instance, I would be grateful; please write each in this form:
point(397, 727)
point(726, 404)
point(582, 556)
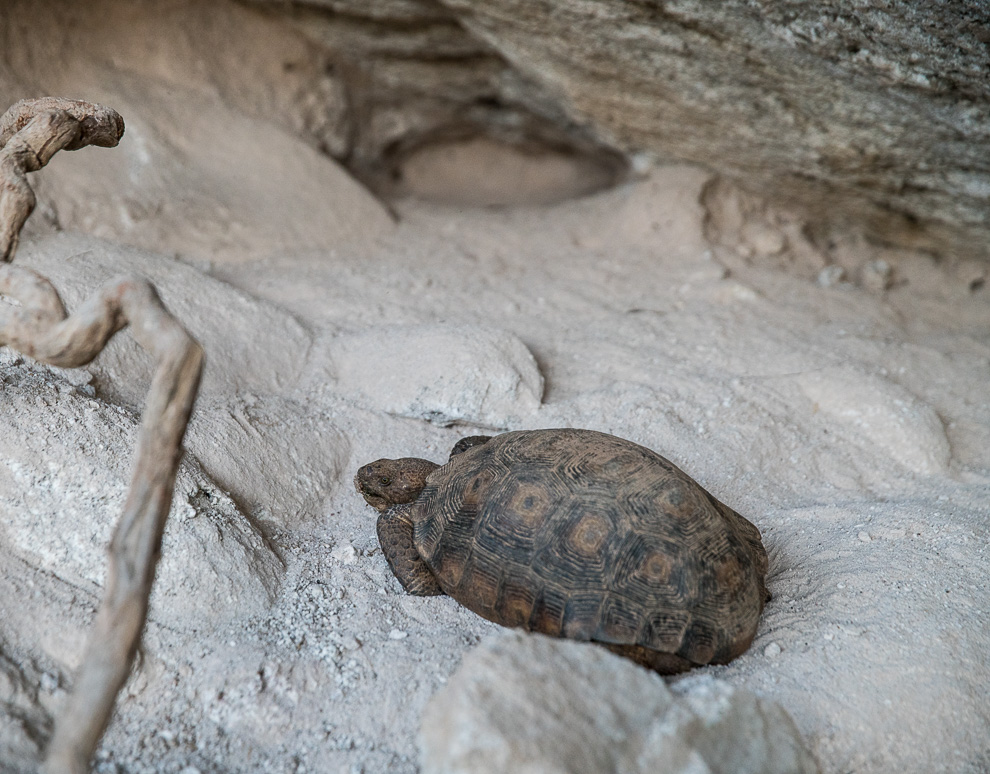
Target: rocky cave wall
point(873, 114)
point(866, 116)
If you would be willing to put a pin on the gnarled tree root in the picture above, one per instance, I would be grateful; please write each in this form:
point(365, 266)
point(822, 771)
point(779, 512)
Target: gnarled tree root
point(31, 132)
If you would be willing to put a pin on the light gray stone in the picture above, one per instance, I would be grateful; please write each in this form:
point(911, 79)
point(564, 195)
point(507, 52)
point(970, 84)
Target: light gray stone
point(732, 730)
point(66, 462)
point(278, 461)
point(528, 703)
point(251, 345)
point(877, 276)
point(831, 276)
point(877, 410)
point(440, 373)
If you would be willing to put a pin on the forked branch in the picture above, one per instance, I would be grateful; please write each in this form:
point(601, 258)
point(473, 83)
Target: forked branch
point(31, 132)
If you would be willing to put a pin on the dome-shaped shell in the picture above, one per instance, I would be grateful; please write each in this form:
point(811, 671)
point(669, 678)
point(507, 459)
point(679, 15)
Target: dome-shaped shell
point(580, 534)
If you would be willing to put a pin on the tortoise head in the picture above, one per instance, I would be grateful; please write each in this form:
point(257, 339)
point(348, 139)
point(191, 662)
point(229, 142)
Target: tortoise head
point(384, 483)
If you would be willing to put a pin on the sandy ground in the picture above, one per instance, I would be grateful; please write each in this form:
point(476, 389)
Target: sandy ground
point(850, 422)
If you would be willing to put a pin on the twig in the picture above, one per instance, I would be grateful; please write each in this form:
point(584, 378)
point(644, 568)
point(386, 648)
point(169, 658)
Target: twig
point(31, 132)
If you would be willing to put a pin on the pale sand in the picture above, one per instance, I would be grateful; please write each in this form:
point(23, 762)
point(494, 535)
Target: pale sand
point(852, 427)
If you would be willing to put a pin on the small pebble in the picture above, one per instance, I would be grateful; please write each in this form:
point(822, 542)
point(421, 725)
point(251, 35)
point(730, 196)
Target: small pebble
point(877, 276)
point(831, 275)
point(344, 553)
point(397, 634)
point(772, 650)
point(865, 537)
point(349, 642)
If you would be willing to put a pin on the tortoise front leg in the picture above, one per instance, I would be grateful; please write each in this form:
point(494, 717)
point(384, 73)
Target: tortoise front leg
point(395, 534)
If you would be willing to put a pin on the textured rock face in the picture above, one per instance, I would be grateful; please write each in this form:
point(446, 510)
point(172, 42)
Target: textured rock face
point(26, 721)
point(883, 103)
point(875, 113)
point(527, 703)
point(65, 487)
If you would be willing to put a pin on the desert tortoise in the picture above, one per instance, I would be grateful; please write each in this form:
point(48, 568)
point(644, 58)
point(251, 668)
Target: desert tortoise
point(578, 534)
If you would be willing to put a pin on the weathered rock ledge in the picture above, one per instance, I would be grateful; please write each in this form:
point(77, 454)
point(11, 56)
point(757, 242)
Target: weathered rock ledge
point(874, 113)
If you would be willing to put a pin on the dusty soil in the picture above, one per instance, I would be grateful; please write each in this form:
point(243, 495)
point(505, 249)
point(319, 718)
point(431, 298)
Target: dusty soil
point(844, 411)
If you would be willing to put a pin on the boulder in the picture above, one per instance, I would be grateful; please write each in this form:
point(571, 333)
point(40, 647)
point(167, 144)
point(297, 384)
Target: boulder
point(529, 703)
point(877, 410)
point(66, 467)
point(251, 345)
point(441, 373)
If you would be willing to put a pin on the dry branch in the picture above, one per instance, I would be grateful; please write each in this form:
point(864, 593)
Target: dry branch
point(31, 132)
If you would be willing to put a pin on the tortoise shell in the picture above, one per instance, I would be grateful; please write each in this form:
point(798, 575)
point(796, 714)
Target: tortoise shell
point(580, 534)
